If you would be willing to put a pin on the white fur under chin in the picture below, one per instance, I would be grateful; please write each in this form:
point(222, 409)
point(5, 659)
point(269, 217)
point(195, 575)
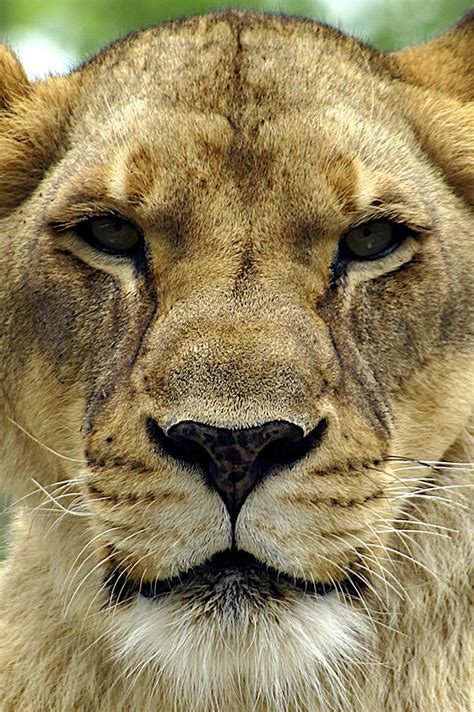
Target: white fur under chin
point(291, 655)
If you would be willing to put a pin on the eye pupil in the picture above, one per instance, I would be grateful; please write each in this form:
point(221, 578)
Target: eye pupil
point(372, 240)
point(110, 234)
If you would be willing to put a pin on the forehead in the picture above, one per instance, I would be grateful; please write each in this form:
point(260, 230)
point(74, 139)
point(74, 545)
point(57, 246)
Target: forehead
point(246, 69)
point(236, 101)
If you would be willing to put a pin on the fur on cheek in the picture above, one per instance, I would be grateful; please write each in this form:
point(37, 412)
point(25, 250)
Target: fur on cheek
point(301, 650)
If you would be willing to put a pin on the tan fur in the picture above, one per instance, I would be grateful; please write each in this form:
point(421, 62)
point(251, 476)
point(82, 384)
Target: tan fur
point(243, 146)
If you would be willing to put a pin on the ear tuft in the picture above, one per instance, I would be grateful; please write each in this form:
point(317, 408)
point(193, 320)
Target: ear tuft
point(13, 80)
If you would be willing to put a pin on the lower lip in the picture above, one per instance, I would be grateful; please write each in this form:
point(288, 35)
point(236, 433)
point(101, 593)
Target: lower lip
point(210, 578)
point(234, 569)
point(244, 569)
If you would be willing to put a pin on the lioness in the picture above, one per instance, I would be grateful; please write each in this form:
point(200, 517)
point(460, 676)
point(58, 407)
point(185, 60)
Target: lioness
point(237, 374)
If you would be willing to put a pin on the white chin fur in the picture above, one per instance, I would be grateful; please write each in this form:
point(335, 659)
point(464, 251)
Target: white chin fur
point(295, 654)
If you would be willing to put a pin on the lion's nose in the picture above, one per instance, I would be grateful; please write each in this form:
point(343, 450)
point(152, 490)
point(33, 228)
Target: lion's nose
point(233, 462)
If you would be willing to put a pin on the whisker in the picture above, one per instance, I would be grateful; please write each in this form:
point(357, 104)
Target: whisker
point(16, 502)
point(67, 582)
point(58, 504)
point(434, 498)
point(100, 563)
point(429, 463)
point(46, 447)
point(411, 559)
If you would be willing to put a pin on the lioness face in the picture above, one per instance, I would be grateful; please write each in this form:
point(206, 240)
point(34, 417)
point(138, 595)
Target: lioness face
point(232, 291)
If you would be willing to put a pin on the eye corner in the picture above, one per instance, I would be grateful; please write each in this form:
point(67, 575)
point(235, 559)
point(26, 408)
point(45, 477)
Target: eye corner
point(59, 226)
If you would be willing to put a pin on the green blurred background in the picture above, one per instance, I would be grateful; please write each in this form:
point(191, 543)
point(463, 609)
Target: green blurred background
point(54, 35)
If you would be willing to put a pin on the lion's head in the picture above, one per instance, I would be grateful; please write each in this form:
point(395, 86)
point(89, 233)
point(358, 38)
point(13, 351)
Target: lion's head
point(235, 264)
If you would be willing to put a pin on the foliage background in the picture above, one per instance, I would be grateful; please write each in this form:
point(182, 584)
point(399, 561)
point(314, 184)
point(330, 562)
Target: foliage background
point(54, 35)
point(67, 31)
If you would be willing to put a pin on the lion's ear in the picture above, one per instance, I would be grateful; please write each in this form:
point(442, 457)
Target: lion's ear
point(13, 80)
point(445, 64)
point(33, 124)
point(437, 87)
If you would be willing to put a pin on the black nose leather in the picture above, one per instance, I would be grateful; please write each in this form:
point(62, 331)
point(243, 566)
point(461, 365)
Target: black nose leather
point(235, 461)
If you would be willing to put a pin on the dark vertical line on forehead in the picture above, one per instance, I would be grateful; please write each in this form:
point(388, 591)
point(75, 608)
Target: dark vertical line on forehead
point(249, 161)
point(240, 156)
point(237, 102)
point(246, 274)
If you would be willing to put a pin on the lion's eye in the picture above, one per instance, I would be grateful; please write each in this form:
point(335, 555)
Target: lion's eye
point(373, 240)
point(110, 234)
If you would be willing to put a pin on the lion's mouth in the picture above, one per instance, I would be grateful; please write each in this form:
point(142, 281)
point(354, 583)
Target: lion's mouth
point(231, 572)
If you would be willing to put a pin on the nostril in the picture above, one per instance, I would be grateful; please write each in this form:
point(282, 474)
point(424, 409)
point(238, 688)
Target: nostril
point(288, 450)
point(178, 448)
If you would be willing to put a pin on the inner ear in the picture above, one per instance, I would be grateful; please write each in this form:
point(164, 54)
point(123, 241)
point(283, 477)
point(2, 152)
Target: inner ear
point(13, 80)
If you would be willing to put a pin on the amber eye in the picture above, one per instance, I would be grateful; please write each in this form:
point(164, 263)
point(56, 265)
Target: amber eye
point(373, 240)
point(110, 234)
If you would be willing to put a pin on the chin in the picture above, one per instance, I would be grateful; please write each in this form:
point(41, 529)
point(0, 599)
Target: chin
point(233, 632)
